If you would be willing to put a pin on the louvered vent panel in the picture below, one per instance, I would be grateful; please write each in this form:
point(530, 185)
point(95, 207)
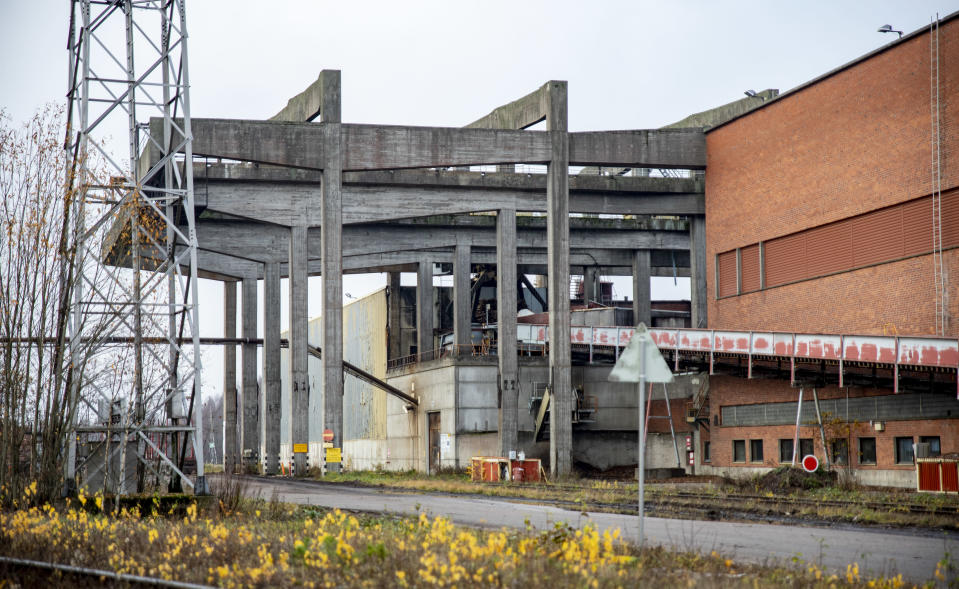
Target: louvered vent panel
point(786, 260)
point(727, 274)
point(750, 270)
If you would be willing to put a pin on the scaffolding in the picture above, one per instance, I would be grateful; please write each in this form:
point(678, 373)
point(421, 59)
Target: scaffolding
point(133, 324)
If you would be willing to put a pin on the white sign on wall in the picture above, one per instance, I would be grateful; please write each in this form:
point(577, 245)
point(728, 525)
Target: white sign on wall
point(446, 445)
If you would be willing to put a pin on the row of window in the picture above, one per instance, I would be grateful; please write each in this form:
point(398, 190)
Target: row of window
point(838, 450)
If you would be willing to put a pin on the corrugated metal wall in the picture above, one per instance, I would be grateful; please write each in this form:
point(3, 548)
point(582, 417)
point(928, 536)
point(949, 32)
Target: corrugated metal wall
point(879, 236)
point(364, 345)
point(861, 409)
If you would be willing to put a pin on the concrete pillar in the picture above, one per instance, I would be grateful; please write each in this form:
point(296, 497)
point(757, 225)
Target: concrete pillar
point(299, 354)
point(331, 250)
point(395, 316)
point(229, 379)
point(592, 290)
point(697, 263)
point(642, 308)
point(462, 311)
point(249, 426)
point(506, 329)
point(424, 307)
point(557, 230)
point(270, 407)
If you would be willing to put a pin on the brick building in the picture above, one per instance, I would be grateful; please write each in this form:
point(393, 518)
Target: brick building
point(820, 219)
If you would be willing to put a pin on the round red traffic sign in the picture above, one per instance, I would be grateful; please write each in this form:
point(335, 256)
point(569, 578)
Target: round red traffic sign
point(810, 463)
point(327, 435)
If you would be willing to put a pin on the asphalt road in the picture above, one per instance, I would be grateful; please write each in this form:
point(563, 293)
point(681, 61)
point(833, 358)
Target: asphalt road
point(888, 552)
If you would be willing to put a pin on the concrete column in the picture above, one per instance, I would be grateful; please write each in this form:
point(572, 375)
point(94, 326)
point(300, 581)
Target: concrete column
point(642, 307)
point(697, 263)
point(557, 230)
point(462, 313)
point(299, 354)
point(229, 379)
point(592, 290)
point(395, 318)
point(331, 250)
point(424, 307)
point(506, 329)
point(270, 407)
point(249, 426)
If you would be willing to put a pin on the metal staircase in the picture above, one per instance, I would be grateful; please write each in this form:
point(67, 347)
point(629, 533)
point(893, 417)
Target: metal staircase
point(539, 402)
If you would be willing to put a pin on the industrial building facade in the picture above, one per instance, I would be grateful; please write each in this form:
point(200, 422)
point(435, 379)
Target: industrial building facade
point(834, 209)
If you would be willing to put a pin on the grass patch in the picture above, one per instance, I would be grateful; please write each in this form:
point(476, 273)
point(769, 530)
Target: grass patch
point(273, 544)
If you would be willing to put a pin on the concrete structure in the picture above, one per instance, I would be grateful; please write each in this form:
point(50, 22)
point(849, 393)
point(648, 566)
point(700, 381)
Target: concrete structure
point(340, 197)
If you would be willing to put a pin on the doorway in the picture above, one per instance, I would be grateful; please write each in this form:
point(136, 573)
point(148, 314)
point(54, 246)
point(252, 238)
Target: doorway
point(434, 441)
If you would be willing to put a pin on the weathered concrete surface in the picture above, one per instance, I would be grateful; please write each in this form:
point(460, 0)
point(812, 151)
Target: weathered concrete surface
point(270, 406)
point(721, 114)
point(424, 306)
point(642, 306)
point(506, 328)
point(299, 353)
point(697, 249)
point(462, 312)
point(519, 114)
point(557, 239)
point(383, 147)
point(249, 426)
point(307, 105)
point(877, 551)
point(229, 379)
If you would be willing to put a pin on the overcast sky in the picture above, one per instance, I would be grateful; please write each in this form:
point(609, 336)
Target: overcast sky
point(630, 65)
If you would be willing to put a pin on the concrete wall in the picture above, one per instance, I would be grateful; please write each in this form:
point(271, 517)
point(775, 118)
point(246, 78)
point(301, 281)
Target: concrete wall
point(853, 142)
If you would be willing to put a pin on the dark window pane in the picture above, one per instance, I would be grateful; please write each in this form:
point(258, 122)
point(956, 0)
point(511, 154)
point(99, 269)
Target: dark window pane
point(904, 450)
point(755, 450)
point(839, 451)
point(933, 441)
point(805, 447)
point(785, 450)
point(739, 450)
point(867, 450)
point(706, 452)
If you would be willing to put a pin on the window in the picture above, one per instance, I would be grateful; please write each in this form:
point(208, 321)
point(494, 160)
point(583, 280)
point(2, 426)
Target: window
point(904, 450)
point(755, 450)
point(706, 457)
point(867, 450)
point(805, 447)
point(839, 451)
point(785, 450)
point(933, 441)
point(739, 450)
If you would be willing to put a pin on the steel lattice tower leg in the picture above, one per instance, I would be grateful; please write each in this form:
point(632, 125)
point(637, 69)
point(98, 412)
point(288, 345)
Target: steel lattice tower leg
point(131, 344)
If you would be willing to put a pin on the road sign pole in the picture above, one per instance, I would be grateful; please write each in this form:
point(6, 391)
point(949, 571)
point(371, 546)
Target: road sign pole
point(640, 444)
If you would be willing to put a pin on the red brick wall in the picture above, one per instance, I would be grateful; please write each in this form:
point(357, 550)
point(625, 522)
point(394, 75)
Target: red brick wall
point(727, 390)
point(854, 142)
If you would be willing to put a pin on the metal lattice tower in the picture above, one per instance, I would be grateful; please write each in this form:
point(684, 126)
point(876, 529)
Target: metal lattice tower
point(134, 333)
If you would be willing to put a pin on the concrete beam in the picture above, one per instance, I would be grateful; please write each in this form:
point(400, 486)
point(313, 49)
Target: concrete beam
point(271, 406)
point(462, 311)
point(700, 300)
point(669, 148)
point(307, 105)
point(299, 350)
point(642, 307)
point(272, 202)
point(249, 426)
point(331, 252)
point(557, 228)
point(230, 448)
point(424, 306)
point(519, 114)
point(506, 330)
point(395, 316)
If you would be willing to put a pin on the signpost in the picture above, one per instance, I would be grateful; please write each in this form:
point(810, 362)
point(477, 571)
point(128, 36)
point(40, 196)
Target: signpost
point(810, 463)
point(641, 362)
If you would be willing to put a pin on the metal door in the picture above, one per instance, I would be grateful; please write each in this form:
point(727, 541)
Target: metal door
point(434, 441)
